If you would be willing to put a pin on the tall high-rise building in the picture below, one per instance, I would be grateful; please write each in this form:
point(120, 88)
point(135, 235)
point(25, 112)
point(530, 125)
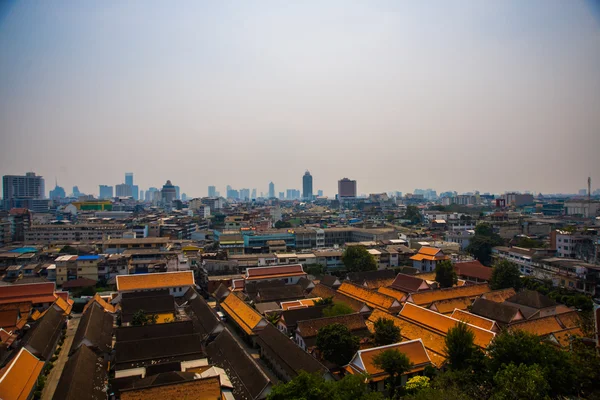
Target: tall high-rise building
point(271, 190)
point(76, 192)
point(307, 186)
point(57, 193)
point(183, 197)
point(106, 192)
point(24, 191)
point(134, 188)
point(177, 193)
point(168, 193)
point(129, 178)
point(123, 190)
point(212, 191)
point(346, 188)
point(320, 193)
point(244, 194)
point(253, 196)
point(141, 195)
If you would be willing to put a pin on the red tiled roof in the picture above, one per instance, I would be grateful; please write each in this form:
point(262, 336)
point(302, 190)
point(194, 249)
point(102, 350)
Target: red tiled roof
point(31, 292)
point(274, 272)
point(473, 269)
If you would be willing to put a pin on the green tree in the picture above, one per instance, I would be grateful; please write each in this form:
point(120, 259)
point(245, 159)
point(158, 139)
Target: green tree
point(324, 301)
point(520, 347)
point(528, 243)
point(505, 275)
point(481, 244)
point(413, 214)
point(307, 386)
point(395, 364)
point(386, 332)
point(141, 318)
point(357, 259)
point(460, 348)
point(513, 382)
point(337, 344)
point(337, 309)
point(273, 318)
point(417, 383)
point(444, 274)
point(282, 224)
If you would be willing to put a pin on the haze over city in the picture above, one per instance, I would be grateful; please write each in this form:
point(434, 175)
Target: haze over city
point(489, 96)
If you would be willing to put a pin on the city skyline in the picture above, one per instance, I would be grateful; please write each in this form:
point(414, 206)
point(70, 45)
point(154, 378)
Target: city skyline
point(497, 97)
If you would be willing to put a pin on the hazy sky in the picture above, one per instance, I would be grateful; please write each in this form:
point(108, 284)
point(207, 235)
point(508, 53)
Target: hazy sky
point(464, 95)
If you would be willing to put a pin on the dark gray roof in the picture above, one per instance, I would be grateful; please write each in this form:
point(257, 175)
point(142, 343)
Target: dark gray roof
point(131, 333)
point(286, 353)
point(158, 350)
point(291, 317)
point(305, 283)
point(500, 312)
point(42, 338)
point(251, 288)
point(407, 283)
point(281, 293)
point(531, 298)
point(360, 277)
point(161, 304)
point(84, 377)
point(330, 281)
point(96, 326)
point(149, 293)
point(205, 319)
point(248, 380)
point(221, 292)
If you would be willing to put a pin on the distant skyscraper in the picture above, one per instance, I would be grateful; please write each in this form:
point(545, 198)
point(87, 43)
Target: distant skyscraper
point(346, 188)
point(106, 192)
point(141, 195)
point(307, 186)
point(271, 190)
point(129, 178)
point(76, 192)
point(149, 195)
point(183, 197)
point(57, 193)
point(123, 190)
point(177, 192)
point(281, 195)
point(244, 194)
point(168, 193)
point(212, 191)
point(28, 186)
point(320, 193)
point(253, 194)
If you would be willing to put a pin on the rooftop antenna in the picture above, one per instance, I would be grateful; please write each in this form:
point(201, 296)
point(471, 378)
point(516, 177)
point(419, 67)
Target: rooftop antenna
point(589, 189)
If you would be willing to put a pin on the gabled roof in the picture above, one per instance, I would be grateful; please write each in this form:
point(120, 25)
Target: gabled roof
point(248, 380)
point(278, 271)
point(532, 298)
point(202, 389)
point(42, 338)
point(221, 292)
point(287, 292)
point(443, 323)
point(483, 323)
point(473, 269)
point(397, 294)
point(370, 298)
point(306, 283)
point(499, 296)
point(432, 339)
point(302, 303)
point(449, 305)
point(20, 376)
point(291, 317)
point(79, 283)
point(9, 319)
point(205, 319)
point(157, 280)
point(428, 297)
point(325, 292)
point(409, 284)
point(363, 360)
point(330, 281)
point(100, 301)
point(164, 304)
point(84, 373)
point(287, 354)
point(247, 318)
point(96, 328)
point(499, 312)
point(382, 275)
point(310, 328)
point(157, 350)
point(429, 253)
point(30, 292)
point(539, 326)
point(133, 333)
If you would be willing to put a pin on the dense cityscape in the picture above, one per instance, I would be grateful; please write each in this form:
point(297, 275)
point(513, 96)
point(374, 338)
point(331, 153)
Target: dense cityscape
point(133, 294)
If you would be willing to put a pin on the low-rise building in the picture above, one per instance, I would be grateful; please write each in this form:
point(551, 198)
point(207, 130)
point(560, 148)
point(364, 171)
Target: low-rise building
point(69, 233)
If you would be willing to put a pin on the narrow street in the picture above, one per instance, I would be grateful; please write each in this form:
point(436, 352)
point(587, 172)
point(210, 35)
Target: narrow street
point(59, 364)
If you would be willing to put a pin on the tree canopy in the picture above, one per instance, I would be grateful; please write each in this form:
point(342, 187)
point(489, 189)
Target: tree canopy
point(505, 275)
point(460, 348)
point(395, 363)
point(386, 332)
point(357, 259)
point(513, 382)
point(337, 344)
point(413, 214)
point(282, 224)
point(481, 244)
point(141, 318)
point(444, 274)
point(337, 309)
point(307, 386)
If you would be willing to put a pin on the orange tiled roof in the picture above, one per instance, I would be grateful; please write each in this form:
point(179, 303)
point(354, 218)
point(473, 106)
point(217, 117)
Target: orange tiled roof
point(473, 319)
point(245, 316)
point(279, 271)
point(201, 389)
point(63, 305)
point(539, 326)
point(564, 337)
point(449, 305)
point(372, 299)
point(378, 283)
point(363, 361)
point(155, 280)
point(569, 319)
point(429, 251)
point(433, 341)
point(20, 377)
point(443, 323)
point(428, 297)
point(103, 303)
point(499, 296)
point(397, 294)
point(290, 305)
point(30, 292)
